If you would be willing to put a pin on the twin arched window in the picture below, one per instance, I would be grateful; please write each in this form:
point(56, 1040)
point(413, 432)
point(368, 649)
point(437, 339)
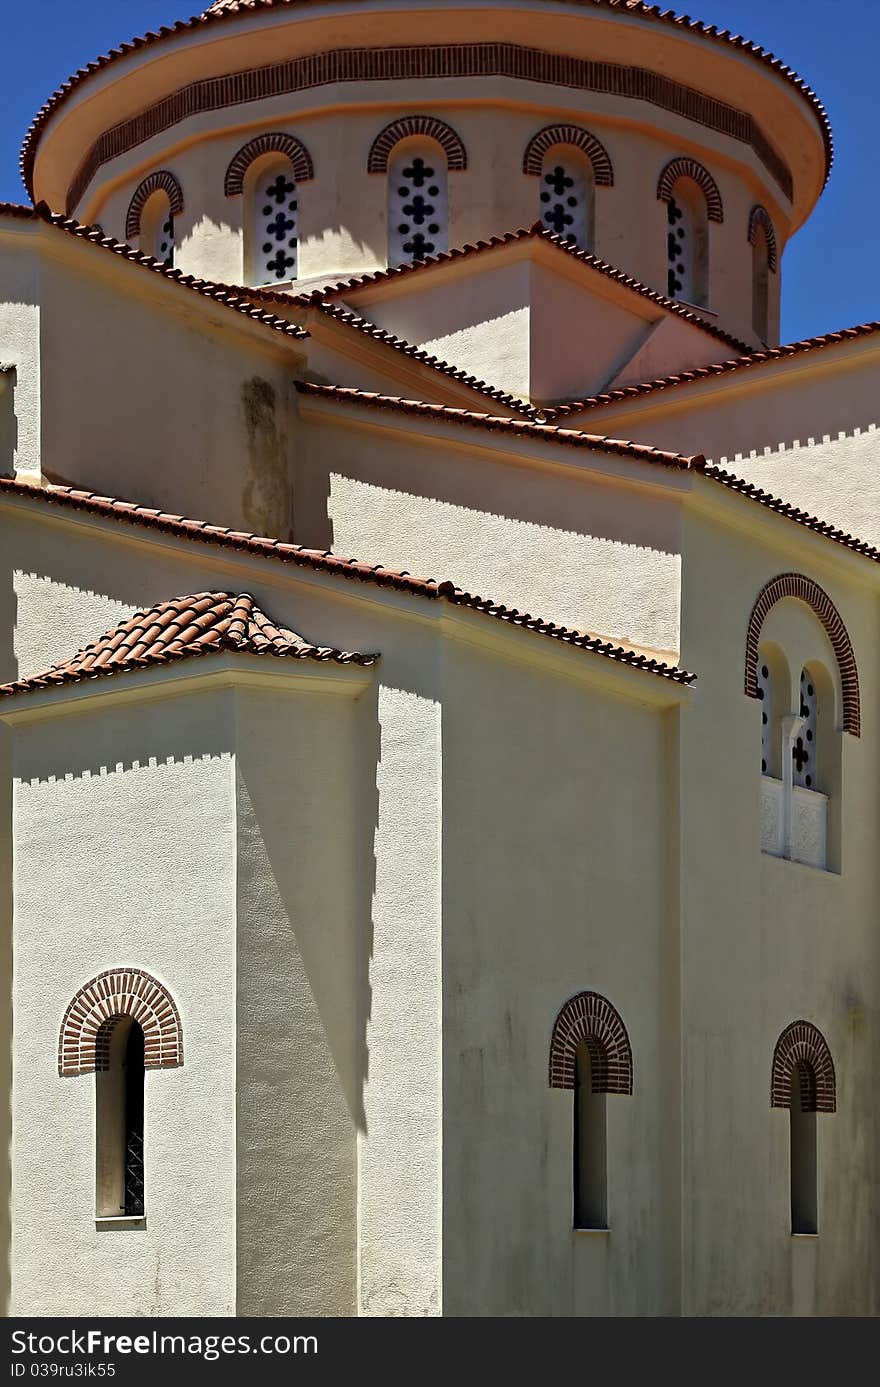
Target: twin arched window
point(800, 683)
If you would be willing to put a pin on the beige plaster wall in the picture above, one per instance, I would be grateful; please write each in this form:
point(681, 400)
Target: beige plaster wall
point(142, 875)
point(149, 399)
point(20, 308)
point(554, 881)
point(562, 542)
point(803, 430)
point(301, 1057)
point(339, 915)
point(765, 942)
point(479, 322)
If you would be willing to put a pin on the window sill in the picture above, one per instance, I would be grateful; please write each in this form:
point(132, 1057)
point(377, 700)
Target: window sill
point(805, 1237)
point(593, 1232)
point(120, 1220)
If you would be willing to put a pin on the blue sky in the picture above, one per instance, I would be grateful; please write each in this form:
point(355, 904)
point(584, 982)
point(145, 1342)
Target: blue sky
point(832, 268)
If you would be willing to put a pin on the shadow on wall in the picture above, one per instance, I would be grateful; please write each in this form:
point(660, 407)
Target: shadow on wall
point(492, 489)
point(307, 818)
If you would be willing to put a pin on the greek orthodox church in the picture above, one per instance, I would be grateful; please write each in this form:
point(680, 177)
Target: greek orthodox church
point(439, 675)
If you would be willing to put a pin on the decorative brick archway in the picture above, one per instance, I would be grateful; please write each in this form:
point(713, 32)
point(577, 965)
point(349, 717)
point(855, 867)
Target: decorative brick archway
point(428, 126)
point(270, 143)
point(759, 217)
point(803, 1046)
point(806, 590)
point(590, 1017)
point(84, 1042)
point(689, 168)
point(576, 135)
point(162, 180)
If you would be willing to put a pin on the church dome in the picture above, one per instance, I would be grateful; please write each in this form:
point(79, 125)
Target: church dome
point(620, 125)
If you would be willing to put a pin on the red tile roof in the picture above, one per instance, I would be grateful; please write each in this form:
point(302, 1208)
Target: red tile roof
point(232, 10)
point(721, 368)
point(220, 293)
point(202, 624)
point(107, 507)
point(537, 231)
point(525, 428)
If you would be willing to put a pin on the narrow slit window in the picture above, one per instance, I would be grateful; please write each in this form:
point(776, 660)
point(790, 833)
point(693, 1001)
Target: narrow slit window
point(590, 1144)
point(119, 1113)
point(804, 1172)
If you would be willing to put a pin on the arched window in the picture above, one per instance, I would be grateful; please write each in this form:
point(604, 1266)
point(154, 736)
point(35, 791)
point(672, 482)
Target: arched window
point(590, 1180)
point(687, 244)
point(590, 1053)
point(566, 196)
point(157, 200)
point(692, 201)
point(418, 201)
point(268, 171)
point(761, 286)
point(802, 1079)
point(157, 228)
point(119, 1120)
point(120, 1024)
point(764, 261)
point(802, 1153)
point(804, 751)
point(271, 229)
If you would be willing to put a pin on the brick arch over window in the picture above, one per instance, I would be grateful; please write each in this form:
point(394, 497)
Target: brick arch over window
point(161, 179)
point(589, 1017)
point(760, 217)
point(84, 1042)
point(428, 126)
point(805, 590)
point(803, 1046)
point(689, 168)
point(603, 171)
point(273, 143)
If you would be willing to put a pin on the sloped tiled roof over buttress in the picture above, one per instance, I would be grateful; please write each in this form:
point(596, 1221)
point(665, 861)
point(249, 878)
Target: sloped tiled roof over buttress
point(201, 624)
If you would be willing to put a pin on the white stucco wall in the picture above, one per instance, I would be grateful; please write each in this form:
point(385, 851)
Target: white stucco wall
point(20, 308)
point(765, 942)
point(301, 951)
point(554, 882)
point(125, 856)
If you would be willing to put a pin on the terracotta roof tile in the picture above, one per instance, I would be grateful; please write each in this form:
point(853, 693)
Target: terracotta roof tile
point(721, 368)
point(128, 512)
point(220, 293)
point(233, 10)
point(202, 624)
point(525, 428)
point(537, 231)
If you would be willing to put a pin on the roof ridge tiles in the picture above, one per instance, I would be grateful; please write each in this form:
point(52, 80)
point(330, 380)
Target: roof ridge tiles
point(532, 428)
point(237, 8)
point(536, 231)
point(352, 319)
point(179, 628)
point(130, 513)
point(721, 368)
